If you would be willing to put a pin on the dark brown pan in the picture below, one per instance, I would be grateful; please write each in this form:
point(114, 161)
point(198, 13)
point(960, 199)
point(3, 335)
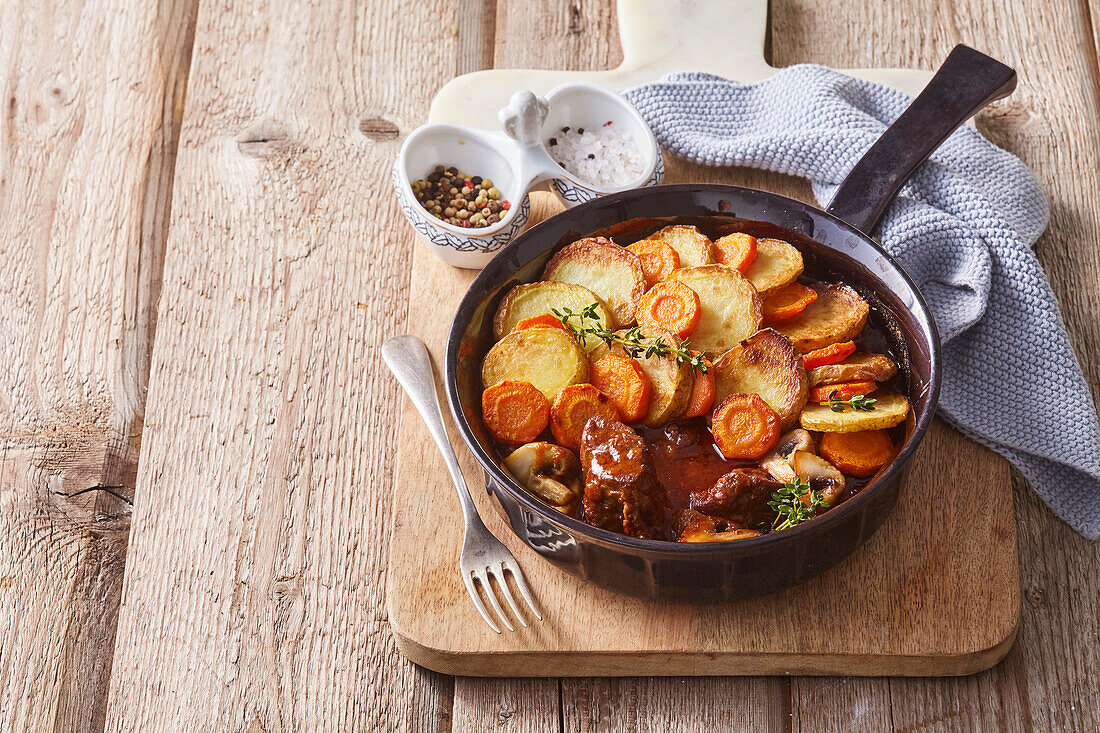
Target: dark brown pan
point(837, 247)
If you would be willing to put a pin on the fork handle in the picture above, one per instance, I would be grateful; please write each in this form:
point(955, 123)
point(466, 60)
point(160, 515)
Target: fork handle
point(408, 359)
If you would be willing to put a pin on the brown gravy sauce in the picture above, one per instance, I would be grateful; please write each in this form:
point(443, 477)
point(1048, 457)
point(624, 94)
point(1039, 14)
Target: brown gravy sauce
point(686, 458)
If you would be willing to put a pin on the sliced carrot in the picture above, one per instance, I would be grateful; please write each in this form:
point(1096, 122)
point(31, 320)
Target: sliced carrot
point(542, 319)
point(658, 259)
point(843, 391)
point(735, 250)
point(573, 407)
point(745, 427)
point(702, 391)
point(857, 454)
point(831, 354)
point(788, 302)
point(672, 306)
point(515, 412)
point(625, 382)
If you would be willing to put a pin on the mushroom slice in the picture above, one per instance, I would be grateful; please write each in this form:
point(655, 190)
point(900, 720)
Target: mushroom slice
point(820, 475)
point(549, 471)
point(691, 526)
point(779, 462)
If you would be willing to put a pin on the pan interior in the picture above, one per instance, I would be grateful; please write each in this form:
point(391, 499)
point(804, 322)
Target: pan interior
point(832, 250)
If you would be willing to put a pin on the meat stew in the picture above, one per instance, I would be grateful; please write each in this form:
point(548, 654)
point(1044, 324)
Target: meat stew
point(733, 398)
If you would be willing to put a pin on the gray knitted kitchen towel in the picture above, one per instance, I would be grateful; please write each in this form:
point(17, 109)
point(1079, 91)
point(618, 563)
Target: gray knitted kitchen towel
point(962, 227)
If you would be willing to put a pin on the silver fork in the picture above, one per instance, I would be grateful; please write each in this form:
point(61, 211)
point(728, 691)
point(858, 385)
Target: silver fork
point(483, 556)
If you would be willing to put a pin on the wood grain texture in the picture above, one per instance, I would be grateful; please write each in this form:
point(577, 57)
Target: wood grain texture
point(93, 95)
point(655, 705)
point(253, 592)
point(1047, 682)
point(218, 632)
point(507, 706)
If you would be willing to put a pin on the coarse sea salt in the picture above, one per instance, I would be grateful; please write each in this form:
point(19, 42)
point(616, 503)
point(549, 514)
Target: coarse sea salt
point(603, 157)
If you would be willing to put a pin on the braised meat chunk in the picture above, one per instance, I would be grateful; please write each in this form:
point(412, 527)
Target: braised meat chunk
point(741, 497)
point(621, 491)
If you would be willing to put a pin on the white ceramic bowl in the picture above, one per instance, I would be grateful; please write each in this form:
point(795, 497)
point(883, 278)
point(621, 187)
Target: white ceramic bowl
point(477, 152)
point(583, 104)
point(516, 161)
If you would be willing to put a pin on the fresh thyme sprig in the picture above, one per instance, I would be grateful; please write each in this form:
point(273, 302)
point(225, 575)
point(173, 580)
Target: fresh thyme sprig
point(586, 323)
point(859, 403)
point(790, 507)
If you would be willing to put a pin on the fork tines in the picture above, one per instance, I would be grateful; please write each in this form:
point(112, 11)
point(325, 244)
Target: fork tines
point(498, 573)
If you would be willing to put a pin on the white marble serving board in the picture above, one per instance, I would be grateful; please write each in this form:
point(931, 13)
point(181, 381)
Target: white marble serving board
point(723, 37)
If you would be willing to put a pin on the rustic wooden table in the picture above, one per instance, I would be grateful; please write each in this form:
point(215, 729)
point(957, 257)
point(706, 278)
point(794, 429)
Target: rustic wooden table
point(200, 255)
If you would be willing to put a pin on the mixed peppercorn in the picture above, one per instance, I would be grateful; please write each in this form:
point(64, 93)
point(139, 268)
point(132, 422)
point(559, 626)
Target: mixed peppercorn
point(460, 199)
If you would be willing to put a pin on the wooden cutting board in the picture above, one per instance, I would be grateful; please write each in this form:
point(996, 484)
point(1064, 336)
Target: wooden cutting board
point(723, 37)
point(935, 591)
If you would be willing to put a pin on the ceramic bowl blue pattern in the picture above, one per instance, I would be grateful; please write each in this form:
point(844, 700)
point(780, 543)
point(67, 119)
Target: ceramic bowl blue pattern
point(571, 191)
point(468, 247)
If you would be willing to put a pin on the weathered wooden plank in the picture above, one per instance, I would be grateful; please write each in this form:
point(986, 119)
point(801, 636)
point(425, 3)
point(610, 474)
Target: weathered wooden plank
point(572, 35)
point(1047, 539)
point(253, 593)
point(507, 705)
point(1048, 681)
point(840, 703)
point(676, 704)
point(93, 94)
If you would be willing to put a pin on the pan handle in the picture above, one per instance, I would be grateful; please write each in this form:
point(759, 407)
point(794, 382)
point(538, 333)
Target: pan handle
point(967, 81)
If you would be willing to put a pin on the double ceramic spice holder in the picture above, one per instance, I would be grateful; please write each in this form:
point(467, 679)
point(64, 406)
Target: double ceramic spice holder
point(516, 160)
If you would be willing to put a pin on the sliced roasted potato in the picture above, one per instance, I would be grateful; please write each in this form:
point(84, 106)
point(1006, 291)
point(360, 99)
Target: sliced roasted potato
point(608, 270)
point(859, 367)
point(838, 314)
point(777, 264)
point(765, 364)
point(599, 351)
point(548, 358)
point(890, 410)
point(533, 299)
point(672, 382)
point(694, 247)
point(732, 309)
